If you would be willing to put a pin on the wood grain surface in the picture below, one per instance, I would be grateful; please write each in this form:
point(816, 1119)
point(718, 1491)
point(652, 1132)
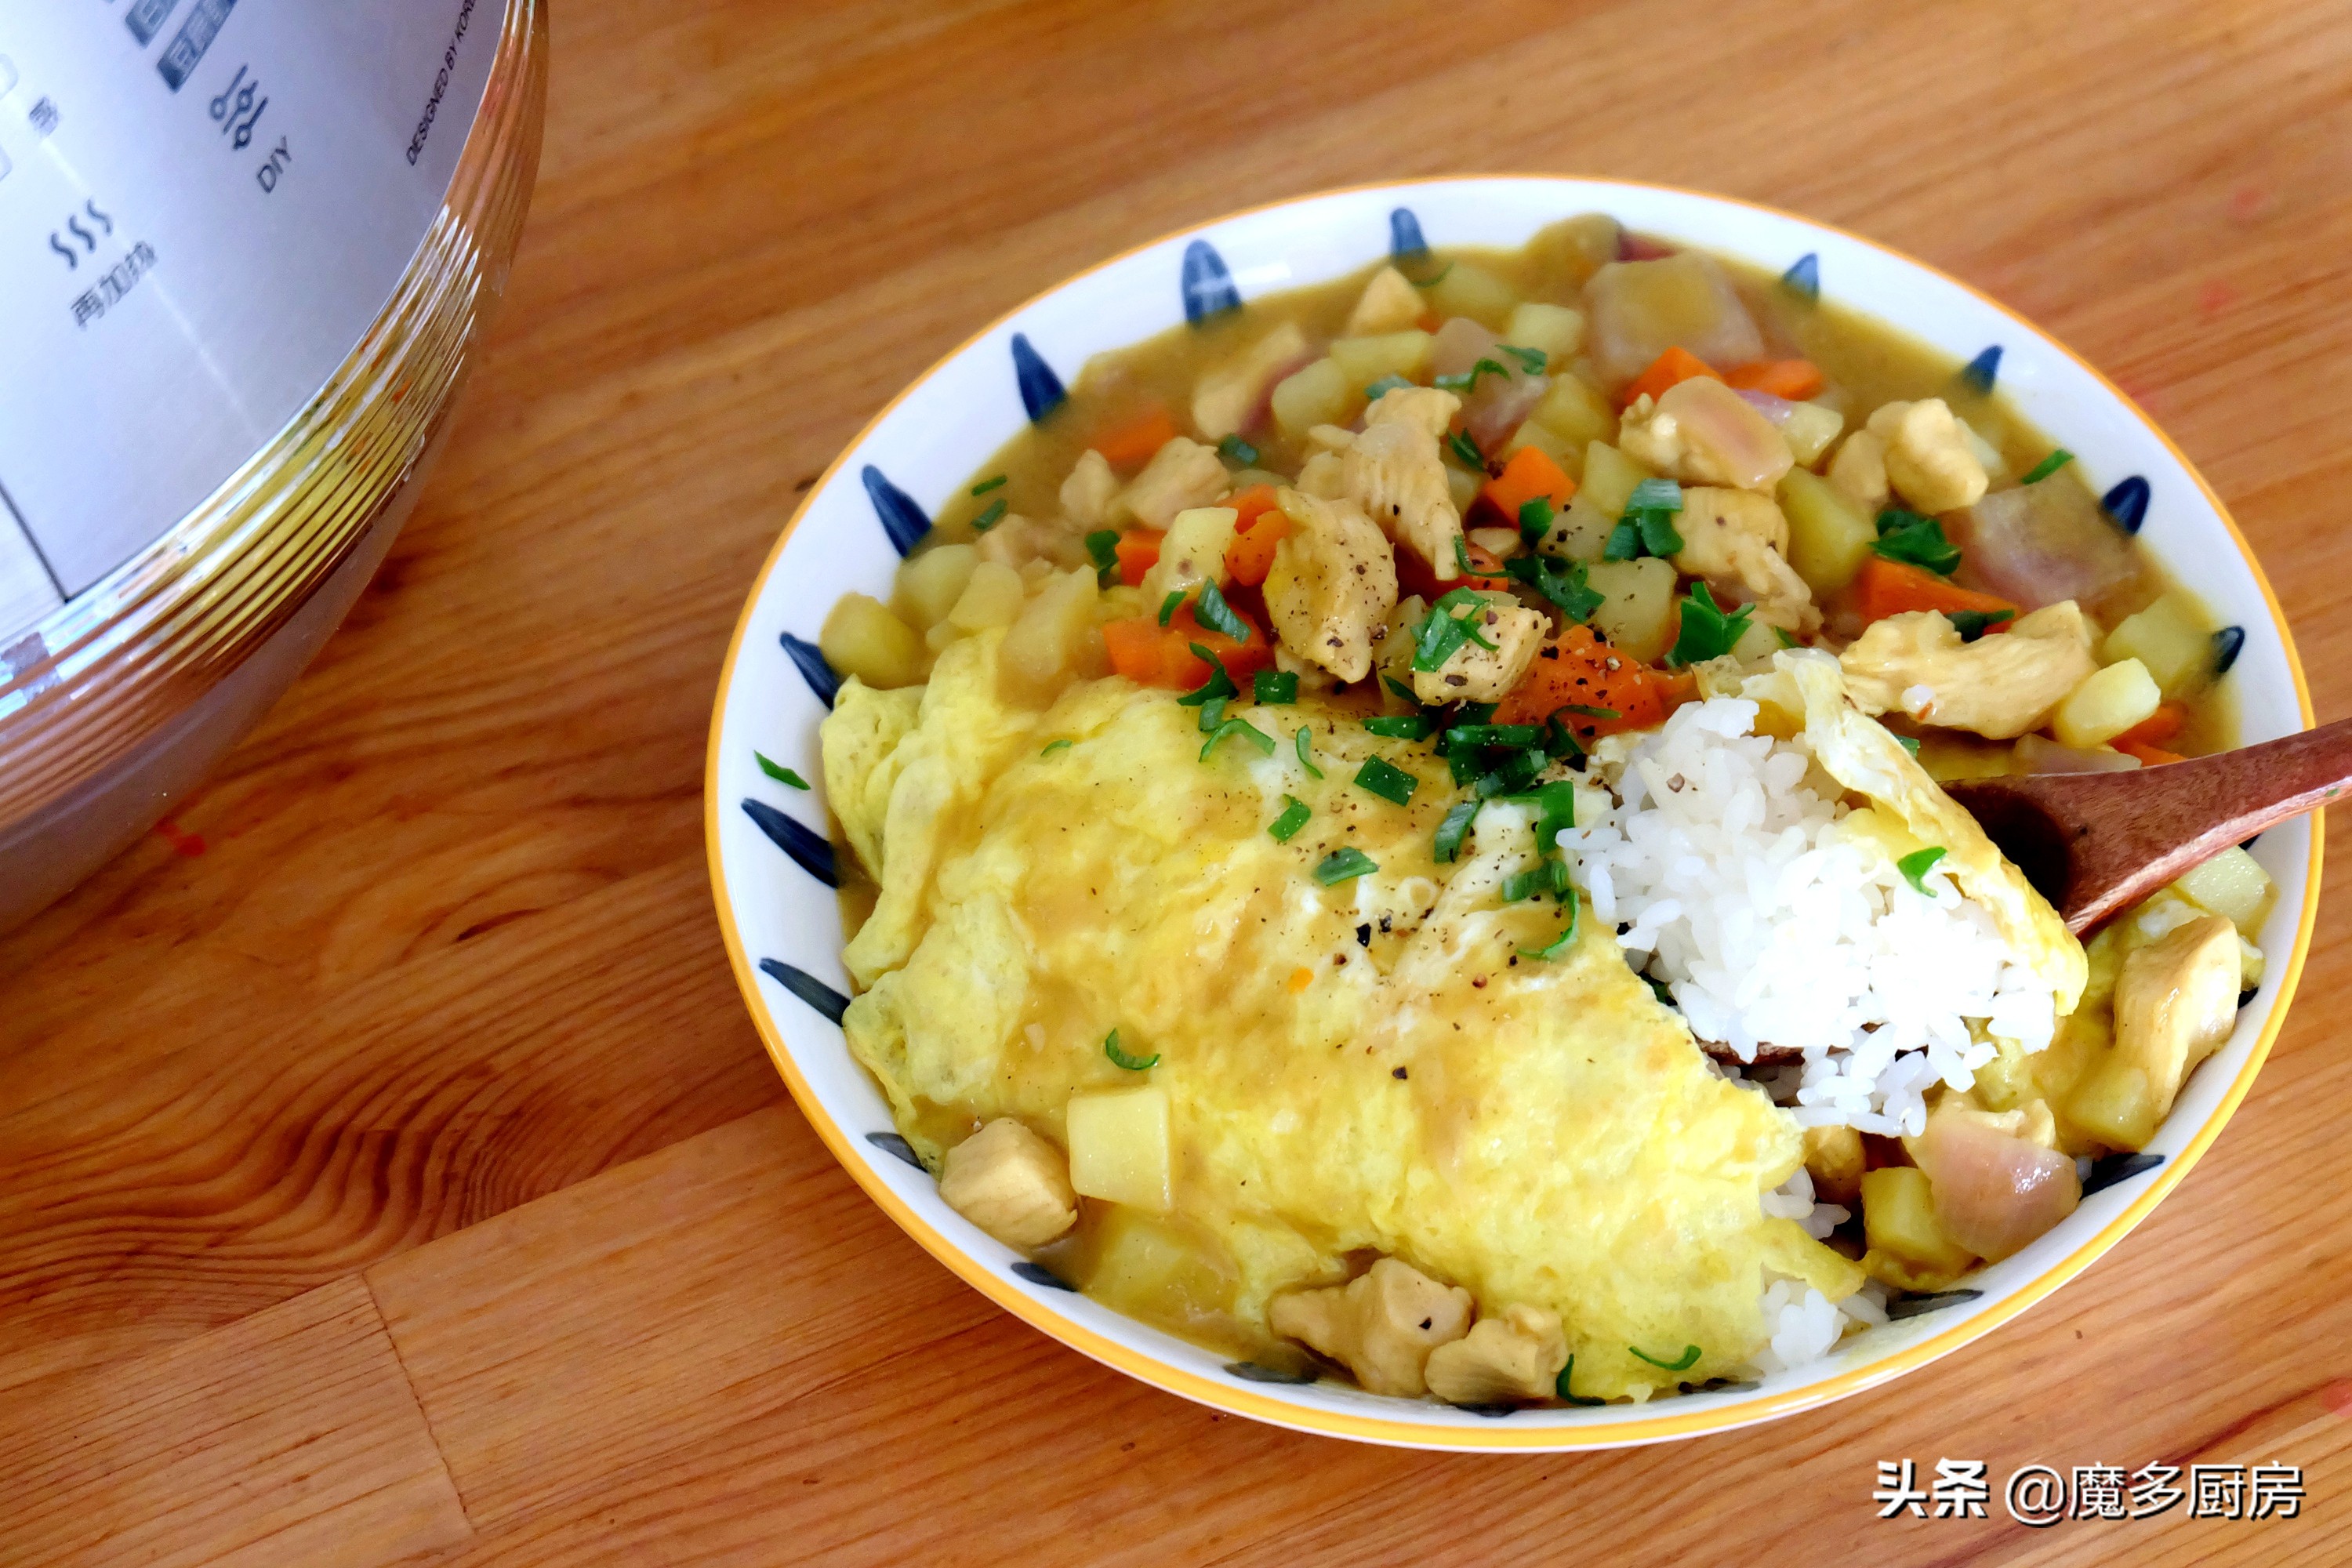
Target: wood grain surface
point(387, 1167)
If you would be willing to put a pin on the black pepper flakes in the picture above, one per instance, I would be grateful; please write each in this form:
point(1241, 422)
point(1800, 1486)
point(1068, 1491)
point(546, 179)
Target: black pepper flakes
point(1364, 934)
point(1397, 1073)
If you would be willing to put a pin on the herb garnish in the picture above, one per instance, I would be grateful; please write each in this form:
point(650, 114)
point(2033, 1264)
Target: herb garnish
point(1344, 865)
point(1551, 949)
point(1918, 864)
point(1917, 541)
point(1403, 726)
point(1234, 449)
point(1465, 452)
point(1463, 381)
point(1168, 605)
point(1561, 582)
point(1512, 735)
point(1052, 746)
point(1219, 683)
point(1908, 743)
point(1453, 830)
point(1782, 633)
point(1548, 876)
point(1245, 730)
point(1399, 688)
point(1390, 382)
point(1275, 685)
point(1973, 623)
point(1304, 760)
point(1646, 527)
point(1530, 360)
point(2049, 466)
point(1706, 632)
point(993, 513)
point(1560, 1386)
point(781, 774)
point(1210, 610)
point(1436, 639)
point(1122, 1060)
point(1102, 548)
point(1684, 1362)
point(1213, 713)
point(1386, 780)
point(1295, 813)
point(1535, 516)
point(987, 485)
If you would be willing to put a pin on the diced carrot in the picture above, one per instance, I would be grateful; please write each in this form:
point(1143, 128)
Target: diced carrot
point(1138, 552)
point(1152, 655)
point(2149, 756)
point(1251, 504)
point(1530, 473)
point(1415, 576)
point(1132, 445)
point(1887, 587)
point(1577, 669)
point(2158, 728)
point(1300, 979)
point(1676, 687)
point(1251, 555)
point(1669, 369)
point(1793, 379)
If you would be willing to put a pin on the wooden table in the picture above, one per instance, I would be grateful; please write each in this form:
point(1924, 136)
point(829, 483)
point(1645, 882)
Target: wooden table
point(386, 1164)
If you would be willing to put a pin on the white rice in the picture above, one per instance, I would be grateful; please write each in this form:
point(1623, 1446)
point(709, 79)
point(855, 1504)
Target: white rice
point(1769, 923)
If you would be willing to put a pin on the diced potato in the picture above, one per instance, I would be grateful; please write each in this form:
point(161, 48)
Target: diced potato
point(992, 597)
point(1118, 1146)
point(2234, 886)
point(1225, 395)
point(2171, 638)
point(930, 582)
point(1640, 309)
point(1580, 532)
point(1461, 487)
point(1576, 411)
point(1570, 458)
point(1575, 249)
point(1556, 329)
point(1610, 477)
point(1159, 1269)
point(863, 639)
point(2115, 1104)
point(1810, 429)
point(1758, 641)
point(1466, 288)
point(1363, 361)
point(2107, 704)
point(1192, 551)
point(1056, 639)
point(1319, 394)
point(1829, 533)
point(1637, 610)
point(1898, 1217)
point(1388, 303)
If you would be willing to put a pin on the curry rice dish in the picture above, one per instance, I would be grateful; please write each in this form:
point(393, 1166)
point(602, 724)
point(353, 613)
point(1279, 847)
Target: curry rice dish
point(1402, 832)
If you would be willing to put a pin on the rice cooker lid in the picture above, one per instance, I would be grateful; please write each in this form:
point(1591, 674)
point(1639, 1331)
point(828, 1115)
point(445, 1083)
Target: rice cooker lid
point(203, 205)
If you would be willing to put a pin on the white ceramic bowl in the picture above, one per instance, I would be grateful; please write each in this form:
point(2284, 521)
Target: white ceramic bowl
point(767, 843)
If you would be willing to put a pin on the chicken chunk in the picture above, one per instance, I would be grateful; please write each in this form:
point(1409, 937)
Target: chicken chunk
point(1394, 471)
point(1088, 493)
point(1332, 583)
point(1860, 469)
point(1010, 1182)
point(1517, 1355)
point(1192, 551)
point(1224, 398)
point(1998, 686)
point(1834, 1158)
point(1389, 304)
point(1738, 542)
point(2175, 1002)
point(1016, 541)
point(1701, 432)
point(1930, 459)
point(1381, 1326)
point(1475, 674)
point(1180, 475)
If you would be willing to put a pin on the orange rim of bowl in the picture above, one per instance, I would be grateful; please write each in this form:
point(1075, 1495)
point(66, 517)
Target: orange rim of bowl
point(1668, 1424)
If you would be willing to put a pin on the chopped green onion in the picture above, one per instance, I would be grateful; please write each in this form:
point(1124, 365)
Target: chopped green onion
point(1212, 611)
point(1560, 1386)
point(1918, 864)
point(1917, 541)
point(1588, 712)
point(1386, 780)
point(2049, 466)
point(1706, 632)
point(1284, 828)
point(1463, 381)
point(1624, 541)
point(1561, 582)
point(1551, 949)
point(1647, 524)
point(1403, 726)
point(1973, 623)
point(1102, 548)
point(1782, 633)
point(1245, 730)
point(1908, 743)
point(782, 775)
point(1465, 452)
point(1494, 735)
point(1122, 1060)
point(1443, 632)
point(1655, 495)
point(1219, 683)
point(1658, 989)
point(1473, 712)
point(1548, 876)
point(1531, 360)
point(993, 513)
point(1556, 802)
point(1234, 449)
point(1399, 688)
point(1304, 760)
point(1213, 713)
point(1684, 1362)
point(1455, 829)
point(1275, 685)
point(1053, 746)
point(1168, 605)
point(1386, 384)
point(1344, 865)
point(1433, 279)
point(1461, 557)
point(1535, 516)
point(1514, 774)
point(985, 486)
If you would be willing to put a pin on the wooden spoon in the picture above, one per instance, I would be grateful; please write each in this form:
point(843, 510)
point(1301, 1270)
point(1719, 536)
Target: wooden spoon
point(2097, 844)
